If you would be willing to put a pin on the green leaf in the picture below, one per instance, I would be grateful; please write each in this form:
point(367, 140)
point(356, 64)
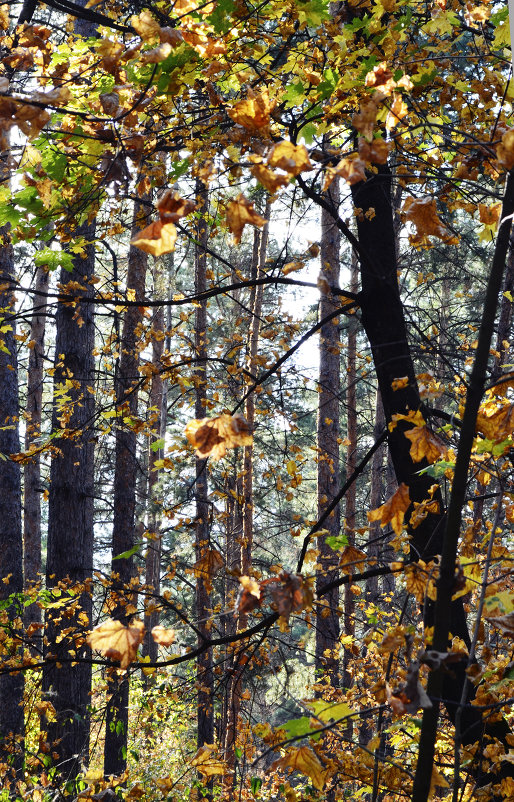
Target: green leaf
point(337, 542)
point(437, 469)
point(53, 259)
point(255, 785)
point(300, 728)
point(327, 712)
point(125, 554)
point(158, 444)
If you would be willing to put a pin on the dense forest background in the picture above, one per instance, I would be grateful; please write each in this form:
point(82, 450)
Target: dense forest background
point(256, 412)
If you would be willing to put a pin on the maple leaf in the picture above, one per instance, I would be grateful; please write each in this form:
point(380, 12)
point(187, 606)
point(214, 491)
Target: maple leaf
point(240, 212)
point(294, 159)
point(253, 112)
point(394, 509)
point(207, 764)
point(306, 762)
point(117, 642)
point(249, 596)
point(157, 54)
point(290, 594)
point(207, 567)
point(416, 579)
point(410, 695)
point(375, 151)
point(269, 180)
point(397, 112)
point(422, 213)
point(165, 637)
point(349, 557)
point(364, 121)
point(212, 436)
point(496, 423)
point(351, 169)
point(505, 150)
point(146, 26)
point(156, 239)
point(425, 445)
point(171, 206)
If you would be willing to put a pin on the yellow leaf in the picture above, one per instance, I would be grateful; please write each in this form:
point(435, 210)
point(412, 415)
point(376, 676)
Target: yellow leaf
point(294, 159)
point(254, 112)
point(269, 180)
point(147, 26)
point(163, 636)
point(156, 239)
point(496, 423)
point(117, 642)
point(206, 763)
point(425, 445)
point(393, 511)
point(349, 557)
point(306, 762)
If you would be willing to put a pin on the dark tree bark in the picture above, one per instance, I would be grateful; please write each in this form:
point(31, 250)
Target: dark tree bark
point(327, 614)
point(124, 501)
point(204, 675)
point(67, 685)
point(11, 572)
point(32, 468)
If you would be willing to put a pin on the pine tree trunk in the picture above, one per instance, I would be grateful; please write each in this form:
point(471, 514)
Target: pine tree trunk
point(32, 468)
point(124, 499)
point(204, 675)
point(66, 684)
point(11, 572)
point(327, 614)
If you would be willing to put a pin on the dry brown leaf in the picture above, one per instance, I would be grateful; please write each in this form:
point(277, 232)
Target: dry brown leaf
point(156, 239)
point(290, 594)
point(165, 637)
point(117, 642)
point(171, 206)
point(503, 622)
point(249, 596)
point(422, 213)
point(240, 212)
point(294, 159)
point(375, 151)
point(212, 436)
point(207, 567)
point(351, 169)
point(393, 511)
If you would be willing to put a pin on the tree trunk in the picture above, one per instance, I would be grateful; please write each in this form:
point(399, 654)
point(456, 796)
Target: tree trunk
point(11, 573)
point(204, 675)
point(327, 614)
point(124, 500)
point(32, 468)
point(66, 684)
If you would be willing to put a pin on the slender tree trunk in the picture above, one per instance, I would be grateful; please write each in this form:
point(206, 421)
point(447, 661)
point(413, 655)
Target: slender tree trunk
point(32, 468)
point(67, 684)
point(505, 320)
point(11, 572)
point(351, 464)
point(327, 614)
point(124, 501)
point(376, 497)
point(154, 546)
point(204, 675)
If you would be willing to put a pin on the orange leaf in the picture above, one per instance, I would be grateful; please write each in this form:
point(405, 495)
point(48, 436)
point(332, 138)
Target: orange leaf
point(240, 212)
point(212, 436)
point(116, 641)
point(206, 763)
point(375, 151)
point(156, 239)
point(163, 636)
point(294, 159)
point(393, 511)
point(425, 445)
point(349, 557)
point(269, 180)
point(351, 169)
point(254, 112)
point(422, 213)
